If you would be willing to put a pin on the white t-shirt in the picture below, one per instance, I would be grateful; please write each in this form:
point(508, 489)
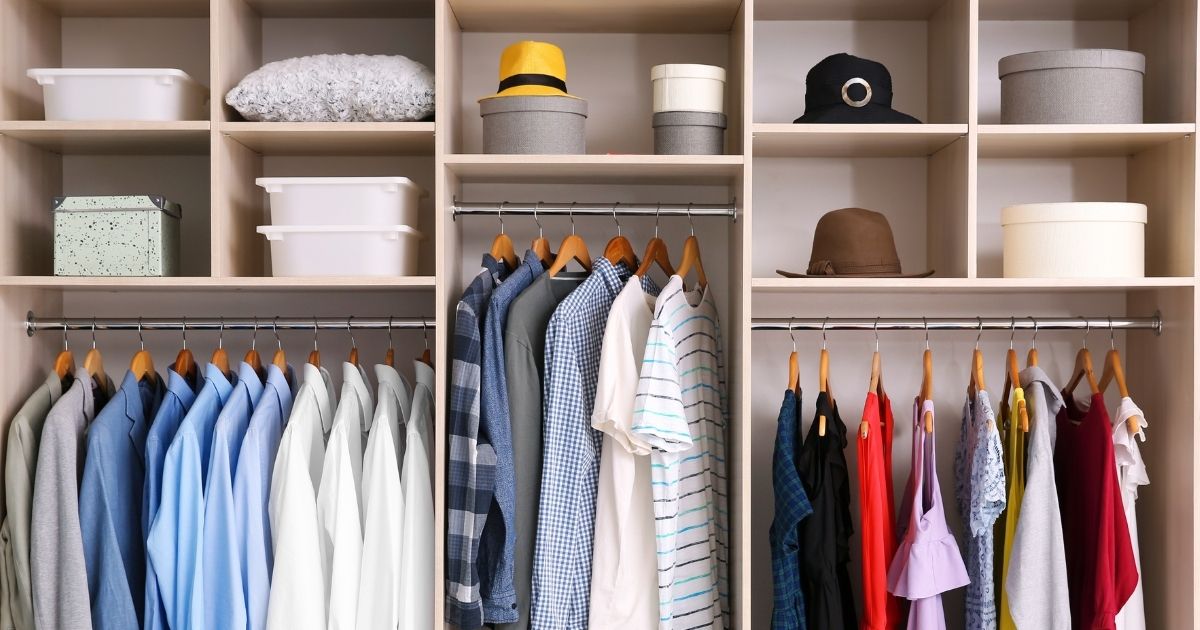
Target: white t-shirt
point(681, 412)
point(624, 590)
point(1131, 473)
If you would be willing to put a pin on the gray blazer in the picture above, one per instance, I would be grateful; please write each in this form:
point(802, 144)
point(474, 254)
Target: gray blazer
point(59, 576)
point(24, 433)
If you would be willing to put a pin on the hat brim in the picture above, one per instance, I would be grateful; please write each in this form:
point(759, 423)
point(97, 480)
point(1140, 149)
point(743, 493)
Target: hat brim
point(792, 274)
point(530, 90)
point(845, 114)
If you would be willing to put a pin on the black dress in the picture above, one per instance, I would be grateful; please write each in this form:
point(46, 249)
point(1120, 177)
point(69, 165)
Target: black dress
point(825, 535)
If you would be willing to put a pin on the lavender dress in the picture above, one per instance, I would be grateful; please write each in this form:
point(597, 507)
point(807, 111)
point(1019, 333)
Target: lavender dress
point(928, 562)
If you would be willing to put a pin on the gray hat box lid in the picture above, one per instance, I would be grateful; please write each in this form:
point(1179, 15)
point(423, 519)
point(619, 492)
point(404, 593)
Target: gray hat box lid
point(690, 119)
point(1078, 58)
point(554, 104)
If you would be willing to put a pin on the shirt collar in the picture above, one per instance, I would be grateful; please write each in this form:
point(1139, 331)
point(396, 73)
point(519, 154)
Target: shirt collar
point(277, 383)
point(424, 374)
point(355, 378)
point(497, 268)
point(137, 407)
point(178, 387)
point(53, 385)
point(222, 384)
point(248, 378)
point(610, 275)
point(317, 379)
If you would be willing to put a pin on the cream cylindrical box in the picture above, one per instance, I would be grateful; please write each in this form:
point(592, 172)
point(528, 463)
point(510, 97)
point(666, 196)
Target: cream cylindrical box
point(688, 87)
point(1074, 240)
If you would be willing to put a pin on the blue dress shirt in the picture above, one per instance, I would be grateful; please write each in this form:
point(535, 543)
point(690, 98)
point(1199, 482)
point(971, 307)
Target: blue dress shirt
point(110, 507)
point(252, 489)
point(174, 544)
point(224, 601)
point(174, 407)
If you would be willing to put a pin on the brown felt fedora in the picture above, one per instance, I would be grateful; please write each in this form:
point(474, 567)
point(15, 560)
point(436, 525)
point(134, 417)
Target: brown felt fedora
point(853, 243)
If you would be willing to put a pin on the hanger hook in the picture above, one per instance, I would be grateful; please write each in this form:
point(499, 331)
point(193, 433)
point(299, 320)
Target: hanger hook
point(1112, 341)
point(979, 335)
point(691, 224)
point(1033, 342)
point(571, 214)
point(141, 340)
point(500, 215)
point(390, 328)
point(350, 331)
point(792, 332)
point(657, 211)
point(1012, 327)
point(926, 323)
point(876, 329)
point(93, 333)
point(221, 335)
point(316, 327)
point(614, 213)
point(1087, 331)
point(823, 325)
point(425, 330)
point(275, 329)
point(66, 348)
point(183, 330)
point(254, 335)
point(536, 220)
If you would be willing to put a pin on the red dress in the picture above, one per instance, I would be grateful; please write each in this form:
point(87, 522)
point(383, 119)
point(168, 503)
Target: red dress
point(877, 512)
point(1101, 570)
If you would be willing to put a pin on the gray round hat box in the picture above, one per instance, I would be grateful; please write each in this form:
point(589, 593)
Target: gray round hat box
point(1089, 85)
point(689, 133)
point(534, 124)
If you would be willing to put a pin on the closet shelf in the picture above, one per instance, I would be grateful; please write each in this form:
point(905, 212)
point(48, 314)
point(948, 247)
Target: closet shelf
point(128, 8)
point(408, 283)
point(1062, 9)
point(961, 285)
point(632, 169)
point(611, 16)
point(186, 137)
point(813, 140)
point(368, 138)
point(846, 9)
point(343, 8)
point(1005, 141)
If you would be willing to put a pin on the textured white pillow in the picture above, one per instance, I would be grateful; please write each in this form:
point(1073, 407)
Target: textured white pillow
point(336, 88)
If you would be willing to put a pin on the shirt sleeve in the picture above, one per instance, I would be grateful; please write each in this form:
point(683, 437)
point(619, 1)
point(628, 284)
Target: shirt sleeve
point(174, 543)
point(297, 600)
point(616, 387)
point(658, 415)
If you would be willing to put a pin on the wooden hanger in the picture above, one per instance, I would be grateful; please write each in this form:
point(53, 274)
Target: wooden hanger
point(1083, 368)
point(64, 363)
point(823, 377)
point(220, 358)
point(619, 249)
point(1031, 359)
point(1012, 380)
point(142, 364)
point(691, 257)
point(572, 248)
point(353, 360)
point(502, 245)
point(389, 358)
point(540, 246)
point(425, 357)
point(976, 383)
point(1114, 372)
point(657, 253)
point(279, 360)
point(793, 383)
point(93, 362)
point(927, 380)
point(185, 361)
point(314, 357)
point(252, 357)
point(876, 384)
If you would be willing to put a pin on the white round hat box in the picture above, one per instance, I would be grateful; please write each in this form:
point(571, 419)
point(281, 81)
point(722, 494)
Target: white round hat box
point(1074, 240)
point(688, 87)
point(342, 200)
point(342, 250)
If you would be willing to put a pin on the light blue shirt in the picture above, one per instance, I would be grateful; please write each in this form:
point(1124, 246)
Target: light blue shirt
point(109, 511)
point(174, 407)
point(224, 601)
point(252, 489)
point(174, 544)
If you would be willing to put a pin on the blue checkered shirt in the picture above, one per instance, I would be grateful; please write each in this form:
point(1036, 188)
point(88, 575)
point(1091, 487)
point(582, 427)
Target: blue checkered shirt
point(472, 466)
point(791, 507)
point(562, 559)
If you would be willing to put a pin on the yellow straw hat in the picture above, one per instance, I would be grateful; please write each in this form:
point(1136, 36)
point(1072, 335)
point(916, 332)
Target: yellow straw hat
point(532, 69)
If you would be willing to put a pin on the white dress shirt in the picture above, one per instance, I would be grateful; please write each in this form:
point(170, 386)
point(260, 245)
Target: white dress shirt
point(416, 534)
point(339, 507)
point(383, 505)
point(298, 581)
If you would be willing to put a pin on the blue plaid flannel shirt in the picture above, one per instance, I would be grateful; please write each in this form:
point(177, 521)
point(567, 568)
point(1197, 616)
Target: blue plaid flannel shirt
point(562, 559)
point(791, 507)
point(471, 469)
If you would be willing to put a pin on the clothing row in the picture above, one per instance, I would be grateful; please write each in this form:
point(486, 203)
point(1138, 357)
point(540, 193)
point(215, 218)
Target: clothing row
point(214, 499)
point(1045, 491)
point(587, 473)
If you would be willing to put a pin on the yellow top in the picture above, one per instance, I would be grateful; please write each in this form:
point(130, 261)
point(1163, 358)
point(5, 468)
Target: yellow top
point(533, 58)
point(1014, 477)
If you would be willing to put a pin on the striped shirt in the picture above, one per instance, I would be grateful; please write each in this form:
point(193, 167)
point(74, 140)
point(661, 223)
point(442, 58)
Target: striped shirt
point(681, 412)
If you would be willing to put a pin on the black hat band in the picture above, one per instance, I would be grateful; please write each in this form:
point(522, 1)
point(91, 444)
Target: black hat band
point(840, 94)
point(546, 80)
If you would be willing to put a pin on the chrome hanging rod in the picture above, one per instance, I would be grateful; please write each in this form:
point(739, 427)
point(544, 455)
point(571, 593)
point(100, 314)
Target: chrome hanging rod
point(34, 324)
point(529, 208)
point(1018, 322)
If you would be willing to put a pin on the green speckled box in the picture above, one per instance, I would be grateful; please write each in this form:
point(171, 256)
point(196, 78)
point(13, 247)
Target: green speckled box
point(133, 235)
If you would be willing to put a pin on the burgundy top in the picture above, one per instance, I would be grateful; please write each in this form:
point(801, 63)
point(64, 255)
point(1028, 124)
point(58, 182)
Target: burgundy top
point(1101, 571)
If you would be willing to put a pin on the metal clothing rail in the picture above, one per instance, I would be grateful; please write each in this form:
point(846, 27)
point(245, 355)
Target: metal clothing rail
point(539, 208)
point(35, 324)
point(1018, 322)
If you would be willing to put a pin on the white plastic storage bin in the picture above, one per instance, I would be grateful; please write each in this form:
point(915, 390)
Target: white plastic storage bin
point(688, 87)
point(342, 200)
point(1074, 240)
point(342, 250)
point(157, 94)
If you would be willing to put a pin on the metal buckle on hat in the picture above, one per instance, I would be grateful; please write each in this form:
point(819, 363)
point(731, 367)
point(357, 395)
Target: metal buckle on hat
point(846, 92)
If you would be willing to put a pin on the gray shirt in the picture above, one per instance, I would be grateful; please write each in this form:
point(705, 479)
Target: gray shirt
point(24, 433)
point(524, 362)
point(59, 577)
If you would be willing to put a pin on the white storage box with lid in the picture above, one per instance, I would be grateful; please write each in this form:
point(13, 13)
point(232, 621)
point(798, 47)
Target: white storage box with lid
point(342, 250)
point(121, 236)
point(155, 94)
point(342, 200)
point(1074, 240)
point(1084, 86)
point(688, 87)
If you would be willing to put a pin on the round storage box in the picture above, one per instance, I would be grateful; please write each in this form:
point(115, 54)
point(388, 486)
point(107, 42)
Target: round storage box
point(342, 250)
point(534, 124)
point(342, 200)
point(688, 87)
point(1091, 85)
point(1074, 240)
point(689, 133)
